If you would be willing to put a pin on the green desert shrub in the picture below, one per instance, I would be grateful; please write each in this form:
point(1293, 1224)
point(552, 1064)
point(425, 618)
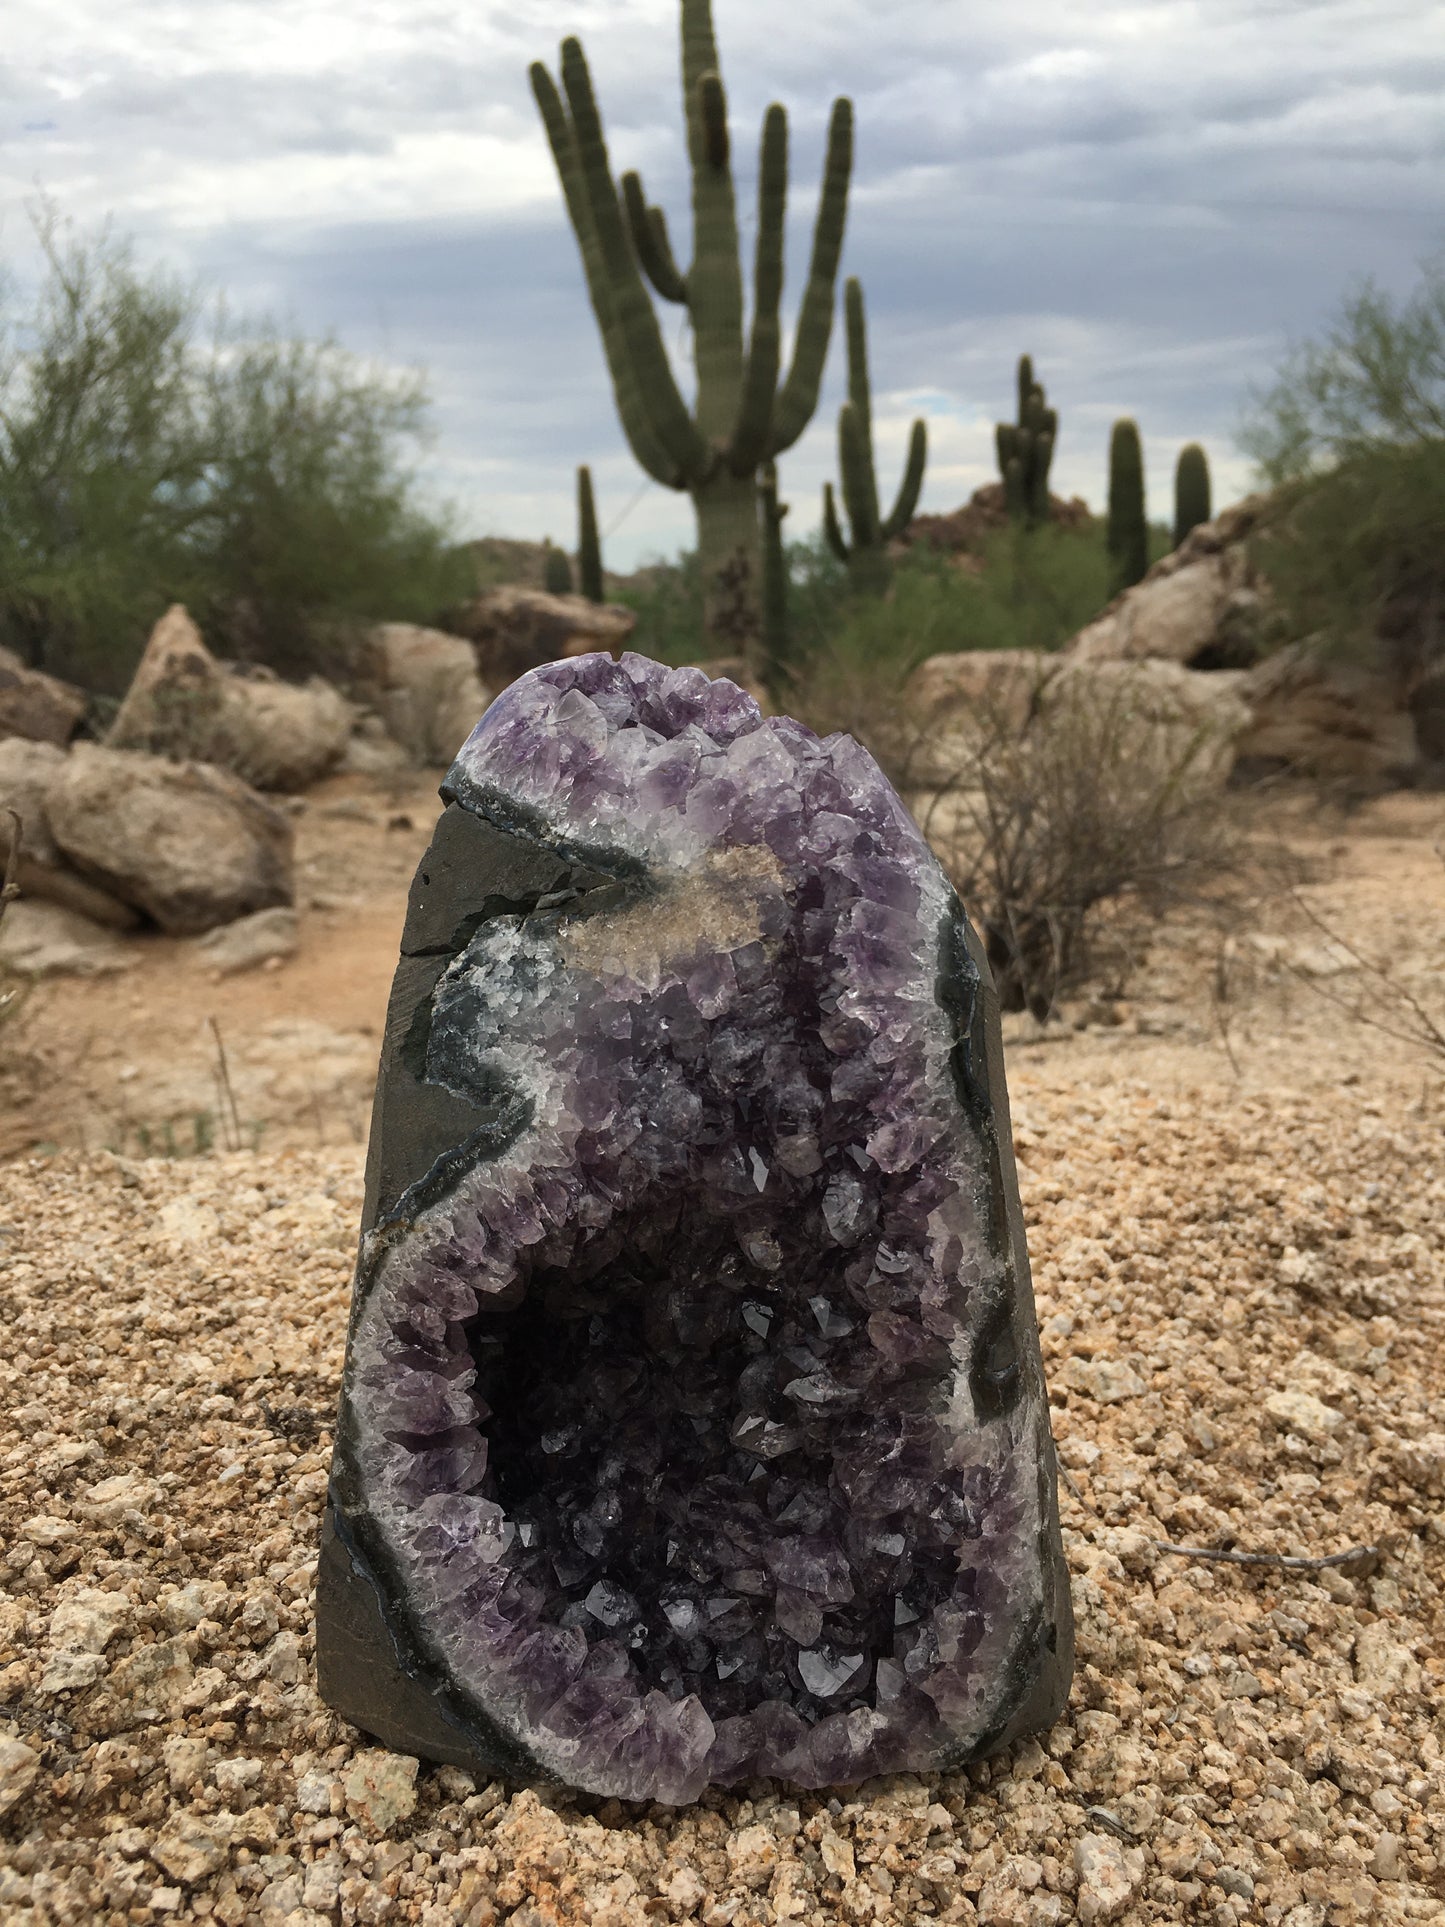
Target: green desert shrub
point(1351, 436)
point(152, 452)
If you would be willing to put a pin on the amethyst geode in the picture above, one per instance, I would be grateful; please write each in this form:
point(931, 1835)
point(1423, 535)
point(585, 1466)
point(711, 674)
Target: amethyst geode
point(694, 1424)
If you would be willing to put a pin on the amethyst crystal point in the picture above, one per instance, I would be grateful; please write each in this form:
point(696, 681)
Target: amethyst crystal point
point(693, 1424)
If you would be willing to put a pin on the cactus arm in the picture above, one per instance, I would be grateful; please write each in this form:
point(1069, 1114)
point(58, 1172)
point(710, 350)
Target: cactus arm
point(715, 280)
point(636, 422)
point(1026, 384)
point(832, 527)
point(911, 486)
point(589, 548)
point(799, 397)
point(1038, 506)
point(760, 378)
point(862, 500)
point(648, 227)
point(635, 318)
point(860, 497)
point(699, 49)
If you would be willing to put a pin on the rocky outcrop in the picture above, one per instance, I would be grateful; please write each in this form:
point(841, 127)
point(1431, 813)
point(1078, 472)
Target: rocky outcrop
point(951, 700)
point(28, 772)
point(40, 939)
point(265, 937)
point(514, 630)
point(1192, 720)
point(953, 703)
point(187, 844)
point(423, 686)
point(37, 707)
point(1333, 721)
point(186, 704)
point(1201, 606)
point(964, 532)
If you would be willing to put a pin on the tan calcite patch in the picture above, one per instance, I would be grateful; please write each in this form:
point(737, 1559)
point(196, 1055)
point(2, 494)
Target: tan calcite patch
point(715, 908)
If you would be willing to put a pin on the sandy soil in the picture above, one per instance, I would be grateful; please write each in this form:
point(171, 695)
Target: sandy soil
point(1242, 1297)
point(131, 1062)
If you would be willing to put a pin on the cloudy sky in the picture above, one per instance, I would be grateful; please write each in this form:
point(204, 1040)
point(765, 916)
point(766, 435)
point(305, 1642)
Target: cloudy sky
point(1153, 199)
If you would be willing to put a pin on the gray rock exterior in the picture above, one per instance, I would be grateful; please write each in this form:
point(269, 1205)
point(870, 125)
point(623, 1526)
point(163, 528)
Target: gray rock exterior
point(188, 845)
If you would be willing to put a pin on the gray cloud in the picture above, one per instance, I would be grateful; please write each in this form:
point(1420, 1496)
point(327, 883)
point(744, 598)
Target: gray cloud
point(1151, 198)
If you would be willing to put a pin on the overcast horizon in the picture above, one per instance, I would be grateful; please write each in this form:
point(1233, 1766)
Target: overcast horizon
point(1151, 200)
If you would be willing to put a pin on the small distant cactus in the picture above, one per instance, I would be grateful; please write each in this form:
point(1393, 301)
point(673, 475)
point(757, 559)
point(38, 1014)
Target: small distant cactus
point(775, 572)
point(589, 547)
point(867, 554)
point(556, 571)
point(1128, 536)
point(1191, 491)
point(1025, 450)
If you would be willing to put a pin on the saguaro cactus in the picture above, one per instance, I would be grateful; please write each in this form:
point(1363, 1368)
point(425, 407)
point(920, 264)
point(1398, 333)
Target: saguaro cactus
point(589, 548)
point(867, 554)
point(1128, 534)
point(1025, 449)
point(742, 416)
point(1191, 490)
point(775, 572)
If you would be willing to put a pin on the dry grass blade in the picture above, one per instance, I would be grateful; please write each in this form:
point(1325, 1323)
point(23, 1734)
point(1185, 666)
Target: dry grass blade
point(10, 889)
point(229, 1112)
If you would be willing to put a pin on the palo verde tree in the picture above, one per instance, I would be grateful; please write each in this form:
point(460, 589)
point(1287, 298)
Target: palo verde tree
point(1350, 439)
point(742, 417)
point(867, 554)
point(152, 453)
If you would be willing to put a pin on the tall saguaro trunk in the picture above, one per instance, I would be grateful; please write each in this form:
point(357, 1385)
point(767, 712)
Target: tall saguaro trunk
point(869, 569)
point(742, 416)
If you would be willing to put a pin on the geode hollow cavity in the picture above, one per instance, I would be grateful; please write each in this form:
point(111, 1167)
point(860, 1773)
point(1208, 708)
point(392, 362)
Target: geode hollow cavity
point(693, 1424)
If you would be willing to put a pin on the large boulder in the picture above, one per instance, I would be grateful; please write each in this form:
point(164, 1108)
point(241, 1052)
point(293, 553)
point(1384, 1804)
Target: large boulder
point(956, 703)
point(516, 629)
point(1185, 722)
point(46, 940)
point(188, 844)
point(1201, 606)
point(950, 700)
point(37, 707)
point(1333, 721)
point(28, 772)
point(424, 687)
point(185, 704)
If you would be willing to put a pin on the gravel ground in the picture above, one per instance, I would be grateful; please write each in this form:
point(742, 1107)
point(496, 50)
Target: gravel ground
point(1243, 1307)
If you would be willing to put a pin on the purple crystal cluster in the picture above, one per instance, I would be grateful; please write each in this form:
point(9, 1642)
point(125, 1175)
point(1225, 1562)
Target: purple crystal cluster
point(700, 1425)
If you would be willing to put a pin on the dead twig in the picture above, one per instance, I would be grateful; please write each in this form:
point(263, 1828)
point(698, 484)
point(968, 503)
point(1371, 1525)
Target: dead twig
point(230, 1112)
point(1102, 1817)
point(1409, 1021)
point(10, 889)
point(1362, 1556)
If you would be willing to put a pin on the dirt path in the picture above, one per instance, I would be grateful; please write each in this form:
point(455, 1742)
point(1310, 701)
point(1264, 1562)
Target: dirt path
point(130, 1062)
